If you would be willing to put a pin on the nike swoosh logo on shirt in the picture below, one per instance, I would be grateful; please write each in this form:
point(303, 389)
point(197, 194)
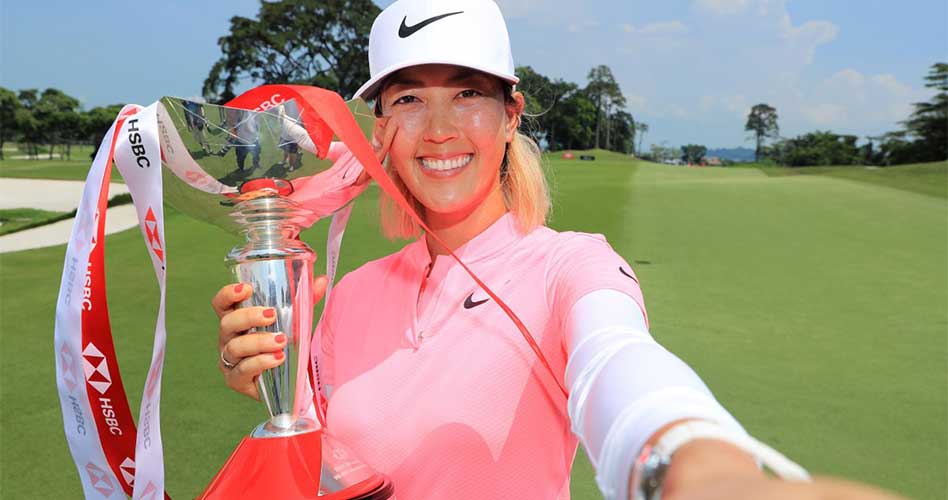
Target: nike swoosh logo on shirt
point(627, 274)
point(405, 31)
point(469, 303)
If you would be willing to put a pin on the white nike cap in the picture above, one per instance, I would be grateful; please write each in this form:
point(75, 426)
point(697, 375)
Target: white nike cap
point(469, 33)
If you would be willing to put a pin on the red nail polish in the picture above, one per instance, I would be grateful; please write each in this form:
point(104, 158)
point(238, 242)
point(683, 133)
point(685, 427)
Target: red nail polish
point(279, 338)
point(278, 355)
point(239, 287)
point(268, 313)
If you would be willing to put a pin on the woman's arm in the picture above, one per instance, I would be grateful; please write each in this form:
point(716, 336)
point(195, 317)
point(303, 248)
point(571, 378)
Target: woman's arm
point(625, 388)
point(626, 392)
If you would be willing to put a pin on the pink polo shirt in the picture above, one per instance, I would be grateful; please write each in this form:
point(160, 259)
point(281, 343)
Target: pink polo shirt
point(438, 389)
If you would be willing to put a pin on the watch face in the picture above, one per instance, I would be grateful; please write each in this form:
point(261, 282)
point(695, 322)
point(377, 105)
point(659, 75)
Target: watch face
point(653, 476)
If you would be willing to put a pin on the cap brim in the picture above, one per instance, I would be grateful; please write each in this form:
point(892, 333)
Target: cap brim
point(369, 90)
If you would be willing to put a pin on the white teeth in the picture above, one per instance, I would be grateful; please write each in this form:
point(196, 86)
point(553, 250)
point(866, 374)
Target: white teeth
point(453, 163)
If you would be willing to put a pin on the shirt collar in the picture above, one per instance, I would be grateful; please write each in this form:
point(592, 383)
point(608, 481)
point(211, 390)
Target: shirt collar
point(499, 235)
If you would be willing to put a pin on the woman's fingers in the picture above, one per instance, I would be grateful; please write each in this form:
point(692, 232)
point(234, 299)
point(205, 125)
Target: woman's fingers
point(252, 344)
point(242, 378)
point(228, 297)
point(240, 320)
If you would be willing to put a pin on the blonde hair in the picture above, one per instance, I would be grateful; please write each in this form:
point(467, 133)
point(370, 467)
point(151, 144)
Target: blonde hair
point(526, 194)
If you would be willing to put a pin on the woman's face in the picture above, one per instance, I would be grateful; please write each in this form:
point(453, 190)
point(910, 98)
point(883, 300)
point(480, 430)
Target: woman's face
point(452, 128)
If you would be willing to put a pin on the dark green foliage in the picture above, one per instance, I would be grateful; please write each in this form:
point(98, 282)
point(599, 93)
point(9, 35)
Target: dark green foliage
point(693, 153)
point(9, 105)
point(762, 121)
point(928, 124)
point(817, 148)
point(564, 116)
point(304, 42)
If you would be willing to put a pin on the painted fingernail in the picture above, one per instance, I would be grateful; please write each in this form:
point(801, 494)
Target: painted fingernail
point(239, 287)
point(278, 355)
point(269, 313)
point(279, 338)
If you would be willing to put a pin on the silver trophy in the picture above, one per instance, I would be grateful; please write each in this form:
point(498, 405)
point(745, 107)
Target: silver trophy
point(252, 173)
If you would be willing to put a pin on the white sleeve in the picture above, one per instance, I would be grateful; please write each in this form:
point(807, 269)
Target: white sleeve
point(624, 386)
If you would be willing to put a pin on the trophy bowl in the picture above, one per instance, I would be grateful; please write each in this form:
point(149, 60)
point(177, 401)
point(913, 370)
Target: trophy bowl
point(261, 174)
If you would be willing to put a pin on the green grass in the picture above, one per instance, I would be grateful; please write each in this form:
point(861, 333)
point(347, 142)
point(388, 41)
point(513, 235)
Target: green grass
point(68, 170)
point(17, 219)
point(812, 305)
point(924, 178)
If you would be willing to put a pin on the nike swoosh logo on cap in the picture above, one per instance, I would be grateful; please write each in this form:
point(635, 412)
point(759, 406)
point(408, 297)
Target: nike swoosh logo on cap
point(405, 31)
point(468, 303)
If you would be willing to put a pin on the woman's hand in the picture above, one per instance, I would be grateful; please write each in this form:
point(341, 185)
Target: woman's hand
point(715, 470)
point(249, 353)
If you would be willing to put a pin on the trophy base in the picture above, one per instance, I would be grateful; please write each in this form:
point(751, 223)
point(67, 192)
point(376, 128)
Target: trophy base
point(284, 426)
point(308, 465)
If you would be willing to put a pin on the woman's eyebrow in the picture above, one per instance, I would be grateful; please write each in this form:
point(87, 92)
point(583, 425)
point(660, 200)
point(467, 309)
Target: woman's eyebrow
point(468, 76)
point(405, 82)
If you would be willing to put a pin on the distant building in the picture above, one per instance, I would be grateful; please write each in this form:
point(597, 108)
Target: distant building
point(713, 161)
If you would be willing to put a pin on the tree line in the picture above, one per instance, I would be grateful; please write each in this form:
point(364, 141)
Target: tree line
point(326, 44)
point(922, 138)
point(50, 122)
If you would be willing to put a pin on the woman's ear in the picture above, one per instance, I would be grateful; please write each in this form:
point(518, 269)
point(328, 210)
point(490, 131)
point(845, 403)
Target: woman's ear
point(515, 106)
point(378, 131)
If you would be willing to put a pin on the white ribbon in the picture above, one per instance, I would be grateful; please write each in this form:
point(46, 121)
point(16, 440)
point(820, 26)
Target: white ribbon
point(105, 470)
point(84, 368)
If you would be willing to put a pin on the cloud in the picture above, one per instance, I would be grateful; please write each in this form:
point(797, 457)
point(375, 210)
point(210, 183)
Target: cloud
point(850, 101)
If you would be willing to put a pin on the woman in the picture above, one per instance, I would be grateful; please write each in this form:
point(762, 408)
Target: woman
point(425, 377)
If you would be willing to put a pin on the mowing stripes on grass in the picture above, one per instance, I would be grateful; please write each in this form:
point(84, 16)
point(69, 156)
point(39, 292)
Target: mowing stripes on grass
point(814, 307)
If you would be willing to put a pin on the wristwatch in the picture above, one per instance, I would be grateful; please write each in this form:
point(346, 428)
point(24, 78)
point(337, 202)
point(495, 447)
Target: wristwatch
point(651, 466)
point(648, 473)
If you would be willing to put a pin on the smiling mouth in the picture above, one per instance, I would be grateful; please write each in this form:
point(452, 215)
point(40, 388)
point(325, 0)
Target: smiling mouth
point(446, 165)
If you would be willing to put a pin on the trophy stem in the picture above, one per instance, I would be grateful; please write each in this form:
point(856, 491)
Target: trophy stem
point(279, 268)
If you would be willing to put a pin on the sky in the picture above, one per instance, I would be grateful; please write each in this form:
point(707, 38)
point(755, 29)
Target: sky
point(691, 69)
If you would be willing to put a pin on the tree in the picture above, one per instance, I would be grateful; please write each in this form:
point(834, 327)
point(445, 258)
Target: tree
point(762, 121)
point(929, 121)
point(95, 124)
point(818, 148)
point(539, 102)
point(295, 41)
point(606, 94)
point(693, 153)
point(9, 104)
point(58, 117)
point(26, 123)
point(642, 129)
point(623, 126)
point(576, 119)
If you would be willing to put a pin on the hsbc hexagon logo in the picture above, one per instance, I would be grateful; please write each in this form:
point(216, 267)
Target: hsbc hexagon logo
point(69, 368)
point(99, 480)
point(128, 471)
point(151, 231)
point(96, 368)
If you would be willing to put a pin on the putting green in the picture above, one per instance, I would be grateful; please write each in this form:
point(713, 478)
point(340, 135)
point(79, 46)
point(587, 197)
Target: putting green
point(814, 306)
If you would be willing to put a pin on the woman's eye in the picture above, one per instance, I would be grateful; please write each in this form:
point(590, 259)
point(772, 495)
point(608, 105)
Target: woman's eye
point(469, 93)
point(405, 99)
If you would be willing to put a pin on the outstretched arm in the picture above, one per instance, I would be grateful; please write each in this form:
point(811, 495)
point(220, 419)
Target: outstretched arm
point(627, 393)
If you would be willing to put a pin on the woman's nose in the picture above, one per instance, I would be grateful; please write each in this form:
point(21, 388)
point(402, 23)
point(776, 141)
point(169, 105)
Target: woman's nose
point(440, 127)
